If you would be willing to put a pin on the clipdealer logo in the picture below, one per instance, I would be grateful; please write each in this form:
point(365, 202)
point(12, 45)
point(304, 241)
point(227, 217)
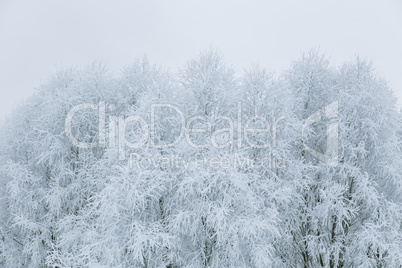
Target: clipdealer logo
point(117, 135)
point(117, 126)
point(330, 156)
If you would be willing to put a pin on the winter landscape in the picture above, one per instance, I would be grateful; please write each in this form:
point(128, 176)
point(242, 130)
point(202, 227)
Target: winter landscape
point(204, 166)
point(201, 169)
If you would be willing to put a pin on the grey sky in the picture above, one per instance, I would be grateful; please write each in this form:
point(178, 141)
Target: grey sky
point(36, 37)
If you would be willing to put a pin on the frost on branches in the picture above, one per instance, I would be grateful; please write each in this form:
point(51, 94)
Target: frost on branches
point(240, 188)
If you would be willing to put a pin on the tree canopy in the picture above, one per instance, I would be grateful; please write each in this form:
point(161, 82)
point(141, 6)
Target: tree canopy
point(236, 186)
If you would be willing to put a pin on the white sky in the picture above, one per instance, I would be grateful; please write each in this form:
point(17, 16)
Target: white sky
point(37, 37)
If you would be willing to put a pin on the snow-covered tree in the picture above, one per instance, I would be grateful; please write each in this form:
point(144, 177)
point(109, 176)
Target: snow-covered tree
point(303, 170)
point(342, 218)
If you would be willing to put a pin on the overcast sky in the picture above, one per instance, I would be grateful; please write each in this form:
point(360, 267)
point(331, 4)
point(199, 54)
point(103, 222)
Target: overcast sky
point(37, 37)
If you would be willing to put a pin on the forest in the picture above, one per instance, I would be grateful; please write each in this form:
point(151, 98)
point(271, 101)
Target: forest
point(204, 167)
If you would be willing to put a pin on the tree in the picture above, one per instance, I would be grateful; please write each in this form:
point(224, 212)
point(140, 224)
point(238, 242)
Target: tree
point(228, 174)
point(344, 205)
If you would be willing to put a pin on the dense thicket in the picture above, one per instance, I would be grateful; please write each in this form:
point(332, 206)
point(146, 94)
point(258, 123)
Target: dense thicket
point(67, 206)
